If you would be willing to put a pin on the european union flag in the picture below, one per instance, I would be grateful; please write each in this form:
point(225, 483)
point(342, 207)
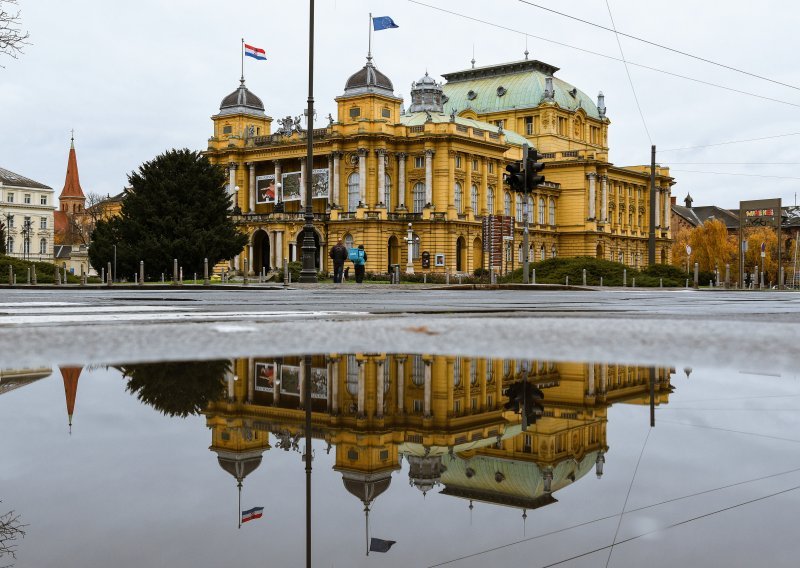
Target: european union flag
point(380, 545)
point(383, 23)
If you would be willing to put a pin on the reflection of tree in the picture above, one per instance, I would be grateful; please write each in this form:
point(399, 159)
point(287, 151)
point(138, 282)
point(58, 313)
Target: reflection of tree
point(178, 388)
point(11, 529)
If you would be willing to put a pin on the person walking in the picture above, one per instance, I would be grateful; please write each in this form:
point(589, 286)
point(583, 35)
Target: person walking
point(360, 261)
point(338, 254)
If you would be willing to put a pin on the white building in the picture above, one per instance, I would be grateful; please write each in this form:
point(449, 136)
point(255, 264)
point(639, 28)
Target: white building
point(26, 210)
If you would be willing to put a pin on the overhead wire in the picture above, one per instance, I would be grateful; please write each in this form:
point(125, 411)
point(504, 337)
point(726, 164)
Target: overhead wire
point(734, 174)
point(598, 54)
point(672, 49)
point(729, 142)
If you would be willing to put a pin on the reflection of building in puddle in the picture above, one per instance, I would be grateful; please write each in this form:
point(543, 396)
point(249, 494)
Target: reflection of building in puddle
point(11, 379)
point(444, 415)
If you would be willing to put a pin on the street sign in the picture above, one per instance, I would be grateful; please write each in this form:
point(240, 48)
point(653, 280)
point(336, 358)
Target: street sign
point(688, 250)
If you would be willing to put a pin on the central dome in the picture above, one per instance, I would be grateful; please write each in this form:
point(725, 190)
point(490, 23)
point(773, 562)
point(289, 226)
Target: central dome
point(369, 80)
point(242, 100)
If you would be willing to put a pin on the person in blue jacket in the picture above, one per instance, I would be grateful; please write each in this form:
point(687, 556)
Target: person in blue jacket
point(360, 261)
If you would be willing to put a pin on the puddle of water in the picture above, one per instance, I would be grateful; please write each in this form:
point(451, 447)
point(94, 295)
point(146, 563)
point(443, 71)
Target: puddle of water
point(460, 461)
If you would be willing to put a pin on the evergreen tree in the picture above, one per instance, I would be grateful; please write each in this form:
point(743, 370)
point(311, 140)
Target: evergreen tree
point(2, 238)
point(175, 208)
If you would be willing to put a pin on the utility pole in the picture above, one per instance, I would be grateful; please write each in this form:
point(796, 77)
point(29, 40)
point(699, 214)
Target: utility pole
point(651, 240)
point(309, 272)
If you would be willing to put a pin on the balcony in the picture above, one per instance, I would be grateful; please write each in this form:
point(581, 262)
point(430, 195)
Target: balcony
point(404, 216)
point(276, 217)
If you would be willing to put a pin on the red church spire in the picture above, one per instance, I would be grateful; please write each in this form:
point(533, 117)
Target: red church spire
point(71, 376)
point(72, 184)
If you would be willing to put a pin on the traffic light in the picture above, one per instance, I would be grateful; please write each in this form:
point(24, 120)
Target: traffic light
point(515, 176)
point(533, 166)
point(526, 400)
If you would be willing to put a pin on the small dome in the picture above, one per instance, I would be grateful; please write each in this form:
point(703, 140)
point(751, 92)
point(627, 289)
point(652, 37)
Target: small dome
point(426, 95)
point(242, 100)
point(239, 468)
point(425, 472)
point(369, 80)
point(367, 487)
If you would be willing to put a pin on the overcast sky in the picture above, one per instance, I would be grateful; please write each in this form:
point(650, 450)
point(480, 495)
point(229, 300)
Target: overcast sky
point(136, 78)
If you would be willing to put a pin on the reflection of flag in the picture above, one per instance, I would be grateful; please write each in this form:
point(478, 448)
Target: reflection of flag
point(255, 52)
point(380, 545)
point(255, 513)
point(383, 23)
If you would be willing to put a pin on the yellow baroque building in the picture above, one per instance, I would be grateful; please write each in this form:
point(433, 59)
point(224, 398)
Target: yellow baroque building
point(404, 182)
point(444, 415)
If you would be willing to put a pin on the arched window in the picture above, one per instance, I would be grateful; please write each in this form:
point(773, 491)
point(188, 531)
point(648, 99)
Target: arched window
point(530, 209)
point(43, 246)
point(457, 372)
point(474, 199)
point(520, 201)
point(541, 210)
point(419, 197)
point(348, 241)
point(551, 214)
point(473, 372)
point(353, 191)
point(541, 253)
point(490, 200)
point(10, 245)
point(457, 199)
point(418, 370)
point(387, 190)
point(352, 375)
point(621, 257)
point(415, 247)
point(553, 251)
point(506, 203)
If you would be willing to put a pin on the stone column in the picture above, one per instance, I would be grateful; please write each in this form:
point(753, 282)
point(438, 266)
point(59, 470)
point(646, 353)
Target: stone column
point(302, 383)
point(429, 177)
point(401, 180)
point(337, 156)
point(361, 390)
point(362, 177)
point(330, 181)
point(427, 395)
point(251, 379)
point(278, 249)
point(250, 259)
point(590, 388)
point(469, 207)
point(401, 379)
point(484, 189)
point(276, 386)
point(335, 386)
point(303, 174)
point(277, 164)
point(381, 153)
point(604, 198)
point(603, 378)
point(251, 187)
point(381, 385)
point(667, 208)
point(592, 192)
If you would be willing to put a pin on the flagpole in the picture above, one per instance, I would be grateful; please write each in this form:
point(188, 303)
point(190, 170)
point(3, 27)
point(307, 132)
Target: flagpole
point(369, 49)
point(240, 504)
point(366, 524)
point(242, 54)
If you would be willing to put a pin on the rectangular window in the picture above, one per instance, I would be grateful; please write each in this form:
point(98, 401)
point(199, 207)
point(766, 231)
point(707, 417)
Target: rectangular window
point(474, 404)
point(491, 167)
point(11, 198)
point(10, 221)
point(28, 198)
point(457, 407)
point(474, 164)
point(490, 402)
point(419, 162)
point(528, 125)
point(227, 129)
point(562, 126)
point(355, 112)
point(458, 162)
point(43, 223)
point(43, 199)
point(386, 113)
point(418, 406)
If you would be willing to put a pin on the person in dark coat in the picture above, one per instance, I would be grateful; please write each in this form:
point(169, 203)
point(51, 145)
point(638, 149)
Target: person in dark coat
point(338, 254)
point(360, 264)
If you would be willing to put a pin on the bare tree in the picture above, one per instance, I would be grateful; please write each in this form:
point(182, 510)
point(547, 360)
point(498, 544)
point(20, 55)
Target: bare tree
point(12, 37)
point(11, 529)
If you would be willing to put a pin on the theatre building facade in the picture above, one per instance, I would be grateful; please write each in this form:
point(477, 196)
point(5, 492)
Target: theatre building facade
point(429, 178)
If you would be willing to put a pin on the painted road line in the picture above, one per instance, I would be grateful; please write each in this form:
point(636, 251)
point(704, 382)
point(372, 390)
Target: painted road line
point(93, 309)
point(48, 319)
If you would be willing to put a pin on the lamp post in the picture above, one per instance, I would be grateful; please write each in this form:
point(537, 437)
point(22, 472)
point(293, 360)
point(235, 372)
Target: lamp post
point(27, 227)
point(308, 274)
point(410, 242)
point(114, 276)
point(9, 217)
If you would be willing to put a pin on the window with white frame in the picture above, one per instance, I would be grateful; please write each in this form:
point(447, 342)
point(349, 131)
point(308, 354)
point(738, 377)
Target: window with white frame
point(10, 245)
point(520, 202)
point(43, 199)
point(28, 198)
point(474, 164)
point(419, 197)
point(473, 372)
point(10, 198)
point(419, 162)
point(551, 214)
point(353, 191)
point(541, 253)
point(491, 167)
point(352, 375)
point(541, 211)
point(418, 370)
point(42, 246)
point(10, 220)
point(474, 198)
point(43, 223)
point(348, 241)
point(553, 251)
point(458, 162)
point(506, 203)
point(387, 192)
point(457, 199)
point(414, 247)
point(457, 372)
point(490, 200)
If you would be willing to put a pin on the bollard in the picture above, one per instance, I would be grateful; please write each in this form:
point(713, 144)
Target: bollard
point(285, 273)
point(780, 278)
point(206, 281)
point(103, 275)
point(696, 275)
point(727, 276)
point(533, 276)
point(687, 282)
point(34, 281)
point(397, 274)
point(195, 278)
point(57, 275)
point(584, 277)
point(459, 279)
point(175, 271)
point(601, 281)
point(180, 273)
point(65, 273)
point(660, 282)
point(246, 271)
point(28, 281)
point(633, 285)
point(162, 277)
point(141, 273)
point(425, 278)
point(109, 278)
point(757, 277)
point(10, 275)
point(624, 277)
point(447, 277)
point(83, 277)
point(567, 282)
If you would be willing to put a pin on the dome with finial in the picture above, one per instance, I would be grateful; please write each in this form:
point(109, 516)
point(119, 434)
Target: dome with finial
point(241, 101)
point(369, 79)
point(426, 95)
point(425, 472)
point(239, 464)
point(366, 486)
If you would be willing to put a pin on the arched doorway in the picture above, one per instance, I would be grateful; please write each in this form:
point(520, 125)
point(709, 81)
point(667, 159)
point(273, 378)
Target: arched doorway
point(393, 249)
point(461, 254)
point(664, 255)
point(261, 252)
point(317, 248)
point(477, 254)
point(599, 251)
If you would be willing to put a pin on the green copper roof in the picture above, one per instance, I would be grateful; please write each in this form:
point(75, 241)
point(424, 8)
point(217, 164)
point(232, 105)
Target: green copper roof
point(420, 118)
point(516, 85)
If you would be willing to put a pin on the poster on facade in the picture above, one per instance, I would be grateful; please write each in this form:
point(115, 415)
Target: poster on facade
point(291, 186)
point(319, 184)
point(265, 377)
point(265, 189)
point(290, 381)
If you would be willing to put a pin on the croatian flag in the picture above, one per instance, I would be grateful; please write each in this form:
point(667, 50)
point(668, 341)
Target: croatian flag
point(383, 23)
point(250, 514)
point(255, 52)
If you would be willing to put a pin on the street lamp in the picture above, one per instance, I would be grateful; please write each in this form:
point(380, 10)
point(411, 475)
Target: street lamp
point(410, 241)
point(309, 272)
point(114, 276)
point(9, 217)
point(27, 228)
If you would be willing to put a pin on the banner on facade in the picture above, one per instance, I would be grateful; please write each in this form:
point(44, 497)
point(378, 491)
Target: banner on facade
point(291, 186)
point(265, 189)
point(290, 381)
point(265, 377)
point(319, 184)
point(495, 230)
